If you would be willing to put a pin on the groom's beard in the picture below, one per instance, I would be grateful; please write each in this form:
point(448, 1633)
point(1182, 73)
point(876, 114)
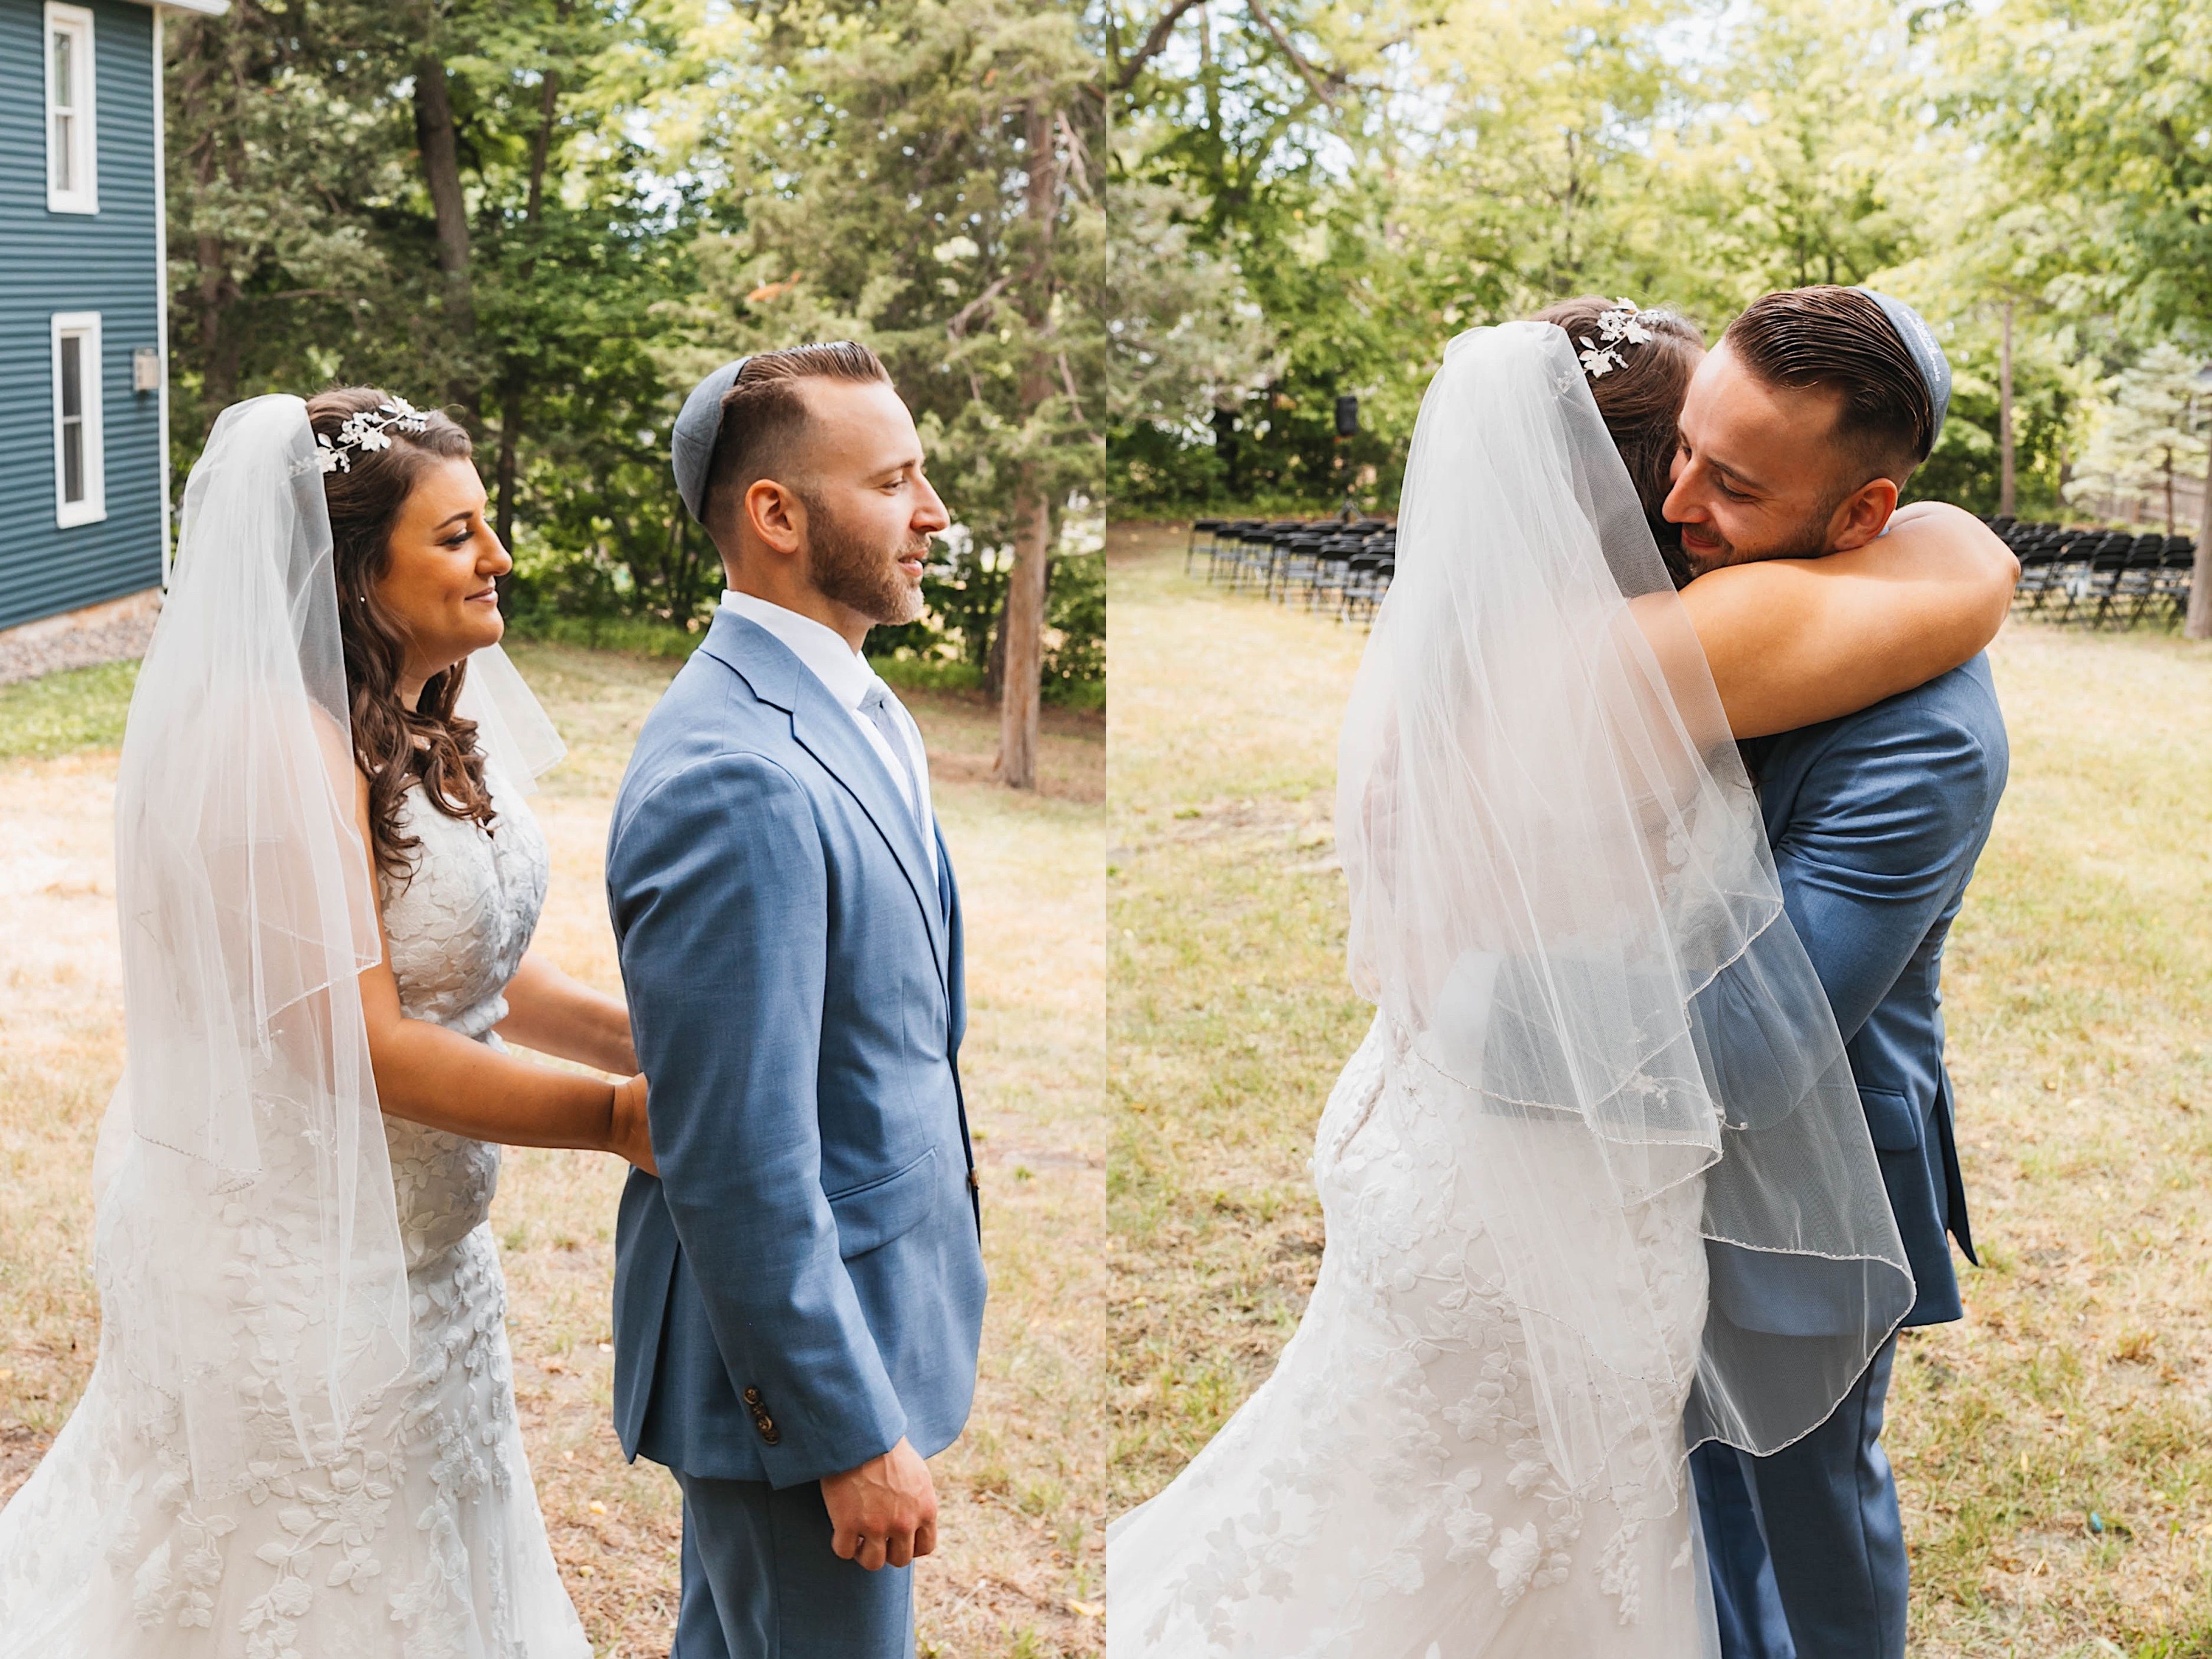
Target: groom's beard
point(1805, 540)
point(860, 573)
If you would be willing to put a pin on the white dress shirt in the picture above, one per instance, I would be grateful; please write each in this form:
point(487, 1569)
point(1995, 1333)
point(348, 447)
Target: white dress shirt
point(845, 674)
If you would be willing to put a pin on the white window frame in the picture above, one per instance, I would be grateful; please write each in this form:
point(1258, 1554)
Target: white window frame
point(84, 325)
point(84, 195)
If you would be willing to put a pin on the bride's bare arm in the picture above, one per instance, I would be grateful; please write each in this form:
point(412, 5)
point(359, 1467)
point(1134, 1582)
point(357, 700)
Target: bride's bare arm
point(1794, 641)
point(547, 1011)
point(428, 1074)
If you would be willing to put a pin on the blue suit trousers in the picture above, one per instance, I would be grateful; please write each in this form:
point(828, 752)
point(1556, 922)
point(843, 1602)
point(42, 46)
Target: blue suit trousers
point(760, 1582)
point(1807, 1547)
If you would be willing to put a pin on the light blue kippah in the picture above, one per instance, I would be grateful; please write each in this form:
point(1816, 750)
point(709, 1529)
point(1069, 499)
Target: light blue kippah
point(1926, 357)
point(692, 442)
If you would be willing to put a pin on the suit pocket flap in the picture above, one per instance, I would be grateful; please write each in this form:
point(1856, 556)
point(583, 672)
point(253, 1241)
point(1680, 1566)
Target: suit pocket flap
point(1891, 1121)
point(880, 1211)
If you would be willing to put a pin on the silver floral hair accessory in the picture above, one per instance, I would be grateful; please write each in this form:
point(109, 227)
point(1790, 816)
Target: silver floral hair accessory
point(367, 431)
point(1619, 328)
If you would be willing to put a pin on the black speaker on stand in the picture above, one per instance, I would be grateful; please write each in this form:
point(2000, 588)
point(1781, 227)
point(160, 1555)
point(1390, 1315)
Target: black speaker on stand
point(1348, 428)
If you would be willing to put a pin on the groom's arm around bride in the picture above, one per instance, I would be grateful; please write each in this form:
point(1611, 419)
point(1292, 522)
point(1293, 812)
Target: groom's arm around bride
point(799, 1294)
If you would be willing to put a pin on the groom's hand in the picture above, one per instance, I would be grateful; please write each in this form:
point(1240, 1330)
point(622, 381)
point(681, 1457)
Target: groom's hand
point(884, 1512)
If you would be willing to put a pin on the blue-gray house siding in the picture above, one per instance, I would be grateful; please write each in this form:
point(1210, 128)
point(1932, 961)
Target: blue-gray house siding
point(107, 262)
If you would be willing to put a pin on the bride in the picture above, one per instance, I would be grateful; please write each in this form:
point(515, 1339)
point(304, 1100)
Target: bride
point(1601, 1069)
point(298, 1441)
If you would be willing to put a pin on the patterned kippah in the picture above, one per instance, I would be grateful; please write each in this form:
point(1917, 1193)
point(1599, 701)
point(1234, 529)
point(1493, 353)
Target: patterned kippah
point(1926, 357)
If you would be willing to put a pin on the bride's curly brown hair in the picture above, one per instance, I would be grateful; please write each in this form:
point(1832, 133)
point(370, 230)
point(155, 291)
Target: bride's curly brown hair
point(1641, 402)
point(393, 744)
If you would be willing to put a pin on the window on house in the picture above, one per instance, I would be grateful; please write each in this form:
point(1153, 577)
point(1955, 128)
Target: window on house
point(80, 474)
point(72, 181)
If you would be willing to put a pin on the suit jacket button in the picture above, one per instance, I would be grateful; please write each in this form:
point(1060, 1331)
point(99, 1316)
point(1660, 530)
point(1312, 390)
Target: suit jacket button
point(768, 1431)
point(752, 1397)
point(974, 1184)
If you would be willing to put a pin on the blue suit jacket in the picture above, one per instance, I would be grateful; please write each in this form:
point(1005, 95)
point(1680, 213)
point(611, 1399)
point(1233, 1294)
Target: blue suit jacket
point(1876, 820)
point(803, 1284)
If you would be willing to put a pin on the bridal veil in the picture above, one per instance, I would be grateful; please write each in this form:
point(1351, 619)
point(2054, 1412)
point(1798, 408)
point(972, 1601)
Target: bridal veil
point(249, 1233)
point(249, 1239)
point(1565, 907)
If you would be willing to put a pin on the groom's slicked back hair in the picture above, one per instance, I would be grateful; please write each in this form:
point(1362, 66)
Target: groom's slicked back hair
point(1840, 340)
point(763, 418)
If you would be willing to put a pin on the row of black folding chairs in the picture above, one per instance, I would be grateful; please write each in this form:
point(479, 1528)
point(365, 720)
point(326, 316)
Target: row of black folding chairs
point(1344, 564)
point(2098, 578)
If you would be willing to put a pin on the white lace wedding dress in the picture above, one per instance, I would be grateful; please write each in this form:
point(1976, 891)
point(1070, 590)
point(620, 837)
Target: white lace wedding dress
point(418, 1536)
point(1386, 1493)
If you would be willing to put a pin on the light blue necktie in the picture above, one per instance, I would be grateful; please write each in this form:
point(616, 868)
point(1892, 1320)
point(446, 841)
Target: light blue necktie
point(877, 705)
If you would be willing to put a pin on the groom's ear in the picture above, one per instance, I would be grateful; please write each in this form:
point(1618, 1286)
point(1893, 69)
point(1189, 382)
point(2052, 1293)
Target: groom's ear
point(769, 518)
point(1861, 515)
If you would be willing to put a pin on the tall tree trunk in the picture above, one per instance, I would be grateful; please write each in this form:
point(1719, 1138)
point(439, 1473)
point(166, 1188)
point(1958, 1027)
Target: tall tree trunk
point(442, 173)
point(1021, 694)
point(1024, 628)
point(510, 407)
point(216, 292)
point(2005, 465)
point(995, 655)
point(510, 440)
point(2199, 625)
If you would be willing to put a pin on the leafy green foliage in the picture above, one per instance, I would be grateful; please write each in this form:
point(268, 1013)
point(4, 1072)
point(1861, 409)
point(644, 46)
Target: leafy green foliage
point(1375, 178)
point(628, 169)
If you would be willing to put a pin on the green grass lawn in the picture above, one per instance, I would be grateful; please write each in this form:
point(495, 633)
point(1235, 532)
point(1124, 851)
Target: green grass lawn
point(81, 708)
point(2079, 1000)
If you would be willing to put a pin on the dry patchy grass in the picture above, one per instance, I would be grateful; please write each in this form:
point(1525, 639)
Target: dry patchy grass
point(1020, 1563)
point(2079, 996)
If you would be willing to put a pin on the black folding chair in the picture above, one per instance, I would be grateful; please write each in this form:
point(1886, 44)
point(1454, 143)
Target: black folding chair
point(1331, 562)
point(2134, 582)
point(1257, 568)
point(1231, 549)
point(1222, 545)
point(1297, 555)
point(2177, 565)
point(1205, 527)
point(1364, 586)
point(2077, 570)
point(2038, 566)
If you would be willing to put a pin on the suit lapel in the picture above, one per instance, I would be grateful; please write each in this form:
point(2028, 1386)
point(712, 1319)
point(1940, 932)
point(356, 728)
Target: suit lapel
point(828, 732)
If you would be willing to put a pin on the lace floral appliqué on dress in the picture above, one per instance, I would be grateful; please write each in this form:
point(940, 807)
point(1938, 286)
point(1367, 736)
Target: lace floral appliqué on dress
point(415, 1535)
point(1387, 1493)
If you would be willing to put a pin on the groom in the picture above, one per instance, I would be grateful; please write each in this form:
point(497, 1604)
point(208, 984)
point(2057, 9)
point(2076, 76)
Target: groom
point(1799, 429)
point(799, 1294)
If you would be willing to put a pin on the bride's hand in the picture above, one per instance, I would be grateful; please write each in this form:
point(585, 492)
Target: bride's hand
point(630, 1133)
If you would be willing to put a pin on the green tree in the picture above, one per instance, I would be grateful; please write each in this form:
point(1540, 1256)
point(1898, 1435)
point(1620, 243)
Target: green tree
point(1796, 157)
point(1273, 126)
point(2151, 427)
point(1187, 338)
point(922, 175)
point(2109, 103)
point(449, 202)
